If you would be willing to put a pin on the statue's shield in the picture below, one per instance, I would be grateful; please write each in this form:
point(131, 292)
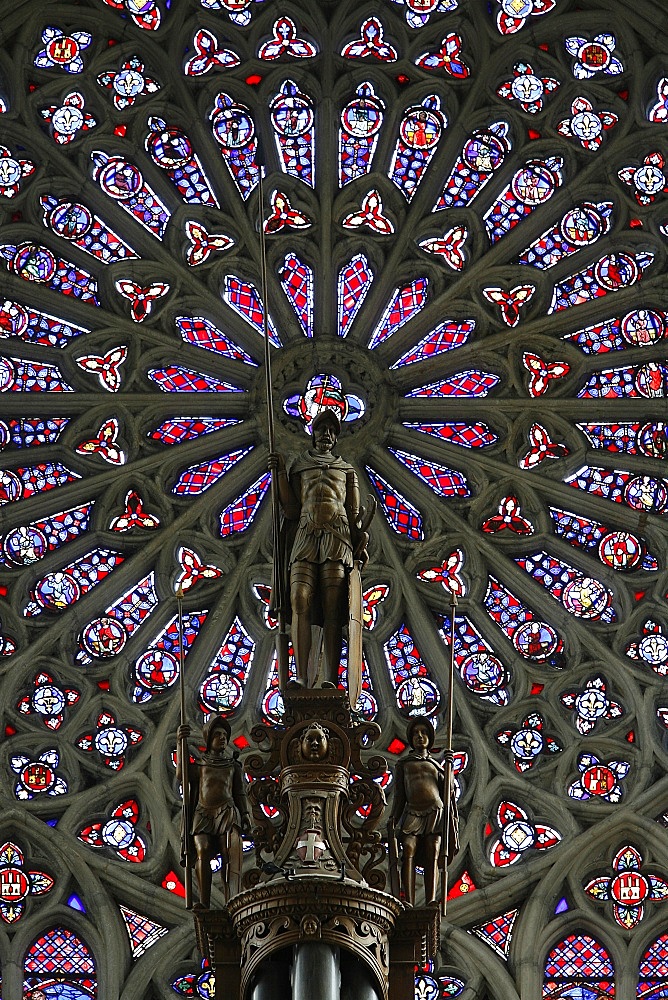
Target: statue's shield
point(354, 634)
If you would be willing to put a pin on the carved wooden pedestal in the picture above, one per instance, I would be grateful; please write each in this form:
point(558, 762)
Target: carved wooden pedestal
point(387, 937)
point(319, 877)
point(346, 915)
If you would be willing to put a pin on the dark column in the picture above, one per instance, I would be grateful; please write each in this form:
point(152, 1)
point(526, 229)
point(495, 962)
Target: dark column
point(357, 980)
point(315, 972)
point(272, 982)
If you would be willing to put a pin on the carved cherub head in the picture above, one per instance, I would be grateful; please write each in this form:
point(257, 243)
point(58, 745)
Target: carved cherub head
point(314, 743)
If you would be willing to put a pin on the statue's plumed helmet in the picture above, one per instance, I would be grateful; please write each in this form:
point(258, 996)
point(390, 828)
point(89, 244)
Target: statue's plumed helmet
point(216, 722)
point(328, 415)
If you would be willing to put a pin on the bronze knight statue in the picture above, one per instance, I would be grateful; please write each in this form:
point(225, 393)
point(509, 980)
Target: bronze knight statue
point(324, 549)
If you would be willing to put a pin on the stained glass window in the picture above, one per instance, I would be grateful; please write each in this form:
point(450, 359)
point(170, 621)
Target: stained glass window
point(466, 213)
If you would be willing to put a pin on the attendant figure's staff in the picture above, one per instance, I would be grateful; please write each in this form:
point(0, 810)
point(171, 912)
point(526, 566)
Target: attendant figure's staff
point(279, 597)
point(182, 765)
point(450, 805)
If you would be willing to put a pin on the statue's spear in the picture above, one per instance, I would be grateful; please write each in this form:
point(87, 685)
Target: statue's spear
point(450, 845)
point(278, 595)
point(183, 766)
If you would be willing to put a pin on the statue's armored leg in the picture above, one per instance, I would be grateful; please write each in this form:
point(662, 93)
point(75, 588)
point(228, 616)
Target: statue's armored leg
point(334, 597)
point(302, 596)
point(432, 851)
point(203, 868)
point(234, 850)
point(408, 869)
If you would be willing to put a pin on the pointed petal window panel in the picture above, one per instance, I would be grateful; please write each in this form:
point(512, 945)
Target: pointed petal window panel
point(447, 223)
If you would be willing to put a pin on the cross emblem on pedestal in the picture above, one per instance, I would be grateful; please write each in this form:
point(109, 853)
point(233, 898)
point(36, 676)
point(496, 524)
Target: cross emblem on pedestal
point(310, 846)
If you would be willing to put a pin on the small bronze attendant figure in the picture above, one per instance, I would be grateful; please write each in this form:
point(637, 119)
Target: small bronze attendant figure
point(418, 810)
point(219, 809)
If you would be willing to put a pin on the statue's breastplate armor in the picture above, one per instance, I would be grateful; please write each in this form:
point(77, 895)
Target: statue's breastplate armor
point(323, 494)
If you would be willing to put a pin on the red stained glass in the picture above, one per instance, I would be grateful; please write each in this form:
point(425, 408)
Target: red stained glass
point(238, 516)
point(403, 517)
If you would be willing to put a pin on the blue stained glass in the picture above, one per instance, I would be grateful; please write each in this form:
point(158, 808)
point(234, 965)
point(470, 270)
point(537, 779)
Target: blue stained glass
point(530, 187)
point(222, 689)
point(292, 117)
point(238, 516)
point(406, 303)
point(179, 429)
point(209, 54)
point(370, 43)
point(443, 481)
point(59, 589)
point(448, 57)
point(533, 639)
point(297, 283)
point(580, 966)
point(482, 673)
point(34, 327)
point(170, 149)
point(17, 375)
point(645, 381)
point(128, 84)
point(17, 484)
point(581, 595)
point(323, 391)
point(198, 478)
point(416, 692)
point(653, 967)
point(200, 332)
point(62, 51)
point(403, 517)
point(482, 155)
point(446, 337)
point(60, 966)
point(76, 223)
point(124, 182)
point(29, 432)
point(650, 439)
point(470, 383)
point(286, 42)
point(158, 668)
point(353, 286)
point(107, 635)
point(620, 550)
point(419, 133)
point(580, 227)
point(528, 88)
point(242, 296)
point(234, 129)
point(638, 328)
point(34, 262)
point(608, 274)
point(238, 11)
point(418, 14)
point(27, 544)
point(361, 122)
point(640, 492)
